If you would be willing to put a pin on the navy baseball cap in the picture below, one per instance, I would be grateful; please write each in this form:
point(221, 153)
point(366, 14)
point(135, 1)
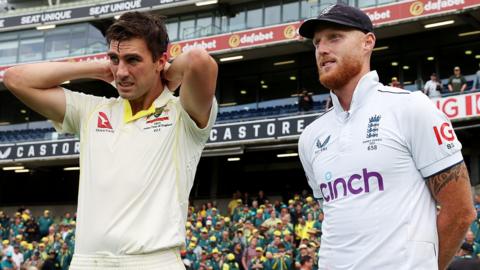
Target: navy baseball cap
point(339, 14)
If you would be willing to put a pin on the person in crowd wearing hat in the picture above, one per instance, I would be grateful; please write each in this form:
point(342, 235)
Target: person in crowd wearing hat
point(433, 87)
point(464, 259)
point(258, 261)
point(230, 263)
point(8, 263)
point(233, 204)
point(282, 261)
point(204, 242)
point(301, 252)
point(216, 261)
point(395, 83)
point(258, 219)
point(6, 247)
point(277, 240)
point(44, 223)
point(457, 82)
point(239, 237)
point(379, 137)
point(43, 251)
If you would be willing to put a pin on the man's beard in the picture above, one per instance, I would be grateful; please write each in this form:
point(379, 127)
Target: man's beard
point(348, 68)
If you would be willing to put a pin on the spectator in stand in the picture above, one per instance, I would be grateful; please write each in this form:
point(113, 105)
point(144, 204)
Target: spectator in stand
point(306, 263)
point(470, 239)
point(476, 80)
point(305, 101)
point(395, 83)
point(464, 259)
point(8, 263)
point(456, 82)
point(65, 257)
point(233, 204)
point(6, 248)
point(261, 198)
point(34, 261)
point(237, 255)
point(32, 230)
point(51, 262)
point(17, 256)
point(258, 261)
point(249, 253)
point(433, 88)
point(44, 223)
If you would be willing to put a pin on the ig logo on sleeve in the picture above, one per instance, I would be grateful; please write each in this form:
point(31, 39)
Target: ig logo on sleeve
point(444, 133)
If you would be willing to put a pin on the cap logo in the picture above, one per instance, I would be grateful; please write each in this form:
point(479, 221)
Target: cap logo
point(326, 10)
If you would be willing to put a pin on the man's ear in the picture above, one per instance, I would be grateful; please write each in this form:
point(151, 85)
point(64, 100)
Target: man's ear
point(161, 61)
point(370, 41)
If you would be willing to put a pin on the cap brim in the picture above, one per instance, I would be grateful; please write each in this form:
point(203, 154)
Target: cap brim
point(308, 27)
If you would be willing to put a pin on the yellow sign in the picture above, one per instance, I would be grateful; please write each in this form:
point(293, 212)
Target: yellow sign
point(175, 50)
point(416, 8)
point(234, 41)
point(290, 31)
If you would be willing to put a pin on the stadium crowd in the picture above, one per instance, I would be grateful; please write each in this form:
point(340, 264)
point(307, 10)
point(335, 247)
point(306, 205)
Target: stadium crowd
point(255, 233)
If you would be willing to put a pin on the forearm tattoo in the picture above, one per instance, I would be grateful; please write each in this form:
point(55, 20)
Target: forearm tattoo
point(437, 182)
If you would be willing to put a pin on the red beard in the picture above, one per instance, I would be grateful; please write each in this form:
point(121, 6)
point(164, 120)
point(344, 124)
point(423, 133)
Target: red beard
point(345, 70)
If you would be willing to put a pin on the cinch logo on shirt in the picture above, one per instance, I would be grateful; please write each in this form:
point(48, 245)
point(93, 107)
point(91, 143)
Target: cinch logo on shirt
point(444, 132)
point(103, 123)
point(330, 190)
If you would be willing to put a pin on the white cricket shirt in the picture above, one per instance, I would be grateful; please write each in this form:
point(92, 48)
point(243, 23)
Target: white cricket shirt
point(136, 172)
point(370, 164)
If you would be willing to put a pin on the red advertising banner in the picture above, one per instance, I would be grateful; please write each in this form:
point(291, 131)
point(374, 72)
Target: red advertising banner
point(408, 10)
point(250, 38)
point(460, 107)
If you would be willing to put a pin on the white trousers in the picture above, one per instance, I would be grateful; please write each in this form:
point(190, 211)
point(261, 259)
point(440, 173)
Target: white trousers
point(163, 260)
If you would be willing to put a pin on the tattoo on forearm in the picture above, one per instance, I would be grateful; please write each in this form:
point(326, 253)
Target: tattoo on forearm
point(437, 182)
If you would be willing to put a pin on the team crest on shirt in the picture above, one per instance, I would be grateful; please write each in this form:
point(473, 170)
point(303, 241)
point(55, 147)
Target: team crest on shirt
point(320, 145)
point(371, 137)
point(159, 119)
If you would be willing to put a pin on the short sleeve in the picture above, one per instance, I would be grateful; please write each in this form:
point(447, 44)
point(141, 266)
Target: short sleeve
point(198, 135)
point(430, 137)
point(307, 164)
point(78, 106)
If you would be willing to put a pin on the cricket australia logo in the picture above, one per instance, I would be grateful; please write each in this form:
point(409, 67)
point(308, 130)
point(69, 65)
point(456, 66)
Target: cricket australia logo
point(321, 146)
point(372, 132)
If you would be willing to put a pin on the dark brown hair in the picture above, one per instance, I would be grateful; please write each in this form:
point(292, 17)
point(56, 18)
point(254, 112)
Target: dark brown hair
point(149, 27)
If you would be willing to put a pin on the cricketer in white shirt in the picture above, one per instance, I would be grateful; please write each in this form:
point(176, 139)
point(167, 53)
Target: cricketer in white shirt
point(369, 164)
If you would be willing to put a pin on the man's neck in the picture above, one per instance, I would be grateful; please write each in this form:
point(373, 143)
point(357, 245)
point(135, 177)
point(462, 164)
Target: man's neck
point(345, 94)
point(145, 101)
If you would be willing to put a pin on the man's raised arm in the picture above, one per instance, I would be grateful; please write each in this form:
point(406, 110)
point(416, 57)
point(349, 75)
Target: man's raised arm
point(451, 190)
point(197, 72)
point(37, 85)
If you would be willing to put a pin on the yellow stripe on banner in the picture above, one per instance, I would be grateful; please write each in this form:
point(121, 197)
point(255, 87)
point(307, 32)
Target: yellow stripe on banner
point(127, 112)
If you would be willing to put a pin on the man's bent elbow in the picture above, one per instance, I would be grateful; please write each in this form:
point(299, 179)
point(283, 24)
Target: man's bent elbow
point(10, 78)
